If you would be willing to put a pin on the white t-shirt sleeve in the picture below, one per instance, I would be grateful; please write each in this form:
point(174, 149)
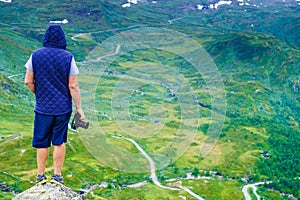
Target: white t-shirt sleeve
point(74, 69)
point(28, 65)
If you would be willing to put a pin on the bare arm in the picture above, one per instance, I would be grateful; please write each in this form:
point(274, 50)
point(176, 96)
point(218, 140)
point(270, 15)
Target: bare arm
point(75, 93)
point(29, 80)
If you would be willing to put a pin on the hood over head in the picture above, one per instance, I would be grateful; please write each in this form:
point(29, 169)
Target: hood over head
point(55, 37)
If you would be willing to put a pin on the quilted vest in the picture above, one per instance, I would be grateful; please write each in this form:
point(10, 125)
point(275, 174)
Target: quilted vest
point(51, 66)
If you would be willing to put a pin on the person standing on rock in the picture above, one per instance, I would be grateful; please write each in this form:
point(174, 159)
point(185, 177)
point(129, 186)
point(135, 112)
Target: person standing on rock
point(51, 76)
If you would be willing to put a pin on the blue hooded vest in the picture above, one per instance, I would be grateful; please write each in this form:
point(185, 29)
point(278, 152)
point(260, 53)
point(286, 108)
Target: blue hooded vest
point(51, 66)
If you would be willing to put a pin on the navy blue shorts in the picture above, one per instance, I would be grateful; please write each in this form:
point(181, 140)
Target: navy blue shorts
point(50, 128)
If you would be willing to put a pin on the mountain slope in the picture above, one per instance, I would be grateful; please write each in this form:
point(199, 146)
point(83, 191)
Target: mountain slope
point(259, 65)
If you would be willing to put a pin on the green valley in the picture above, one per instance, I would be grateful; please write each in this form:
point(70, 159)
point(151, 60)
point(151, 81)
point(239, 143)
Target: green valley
point(153, 93)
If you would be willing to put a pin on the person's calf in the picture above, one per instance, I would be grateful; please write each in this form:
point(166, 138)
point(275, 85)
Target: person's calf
point(58, 158)
point(41, 157)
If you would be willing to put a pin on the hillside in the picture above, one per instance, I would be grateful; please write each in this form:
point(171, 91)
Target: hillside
point(137, 94)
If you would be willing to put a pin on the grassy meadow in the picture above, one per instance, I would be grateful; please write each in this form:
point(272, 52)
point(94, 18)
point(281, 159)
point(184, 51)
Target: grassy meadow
point(138, 94)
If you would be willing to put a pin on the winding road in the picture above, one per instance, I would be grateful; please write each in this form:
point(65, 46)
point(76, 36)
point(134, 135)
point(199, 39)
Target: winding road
point(150, 160)
point(103, 31)
point(152, 166)
point(108, 54)
point(253, 186)
point(11, 76)
point(153, 169)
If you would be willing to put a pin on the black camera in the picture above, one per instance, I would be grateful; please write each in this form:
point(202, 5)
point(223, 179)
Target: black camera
point(78, 123)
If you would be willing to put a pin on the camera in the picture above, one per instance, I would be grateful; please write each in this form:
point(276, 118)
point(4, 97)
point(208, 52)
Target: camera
point(78, 123)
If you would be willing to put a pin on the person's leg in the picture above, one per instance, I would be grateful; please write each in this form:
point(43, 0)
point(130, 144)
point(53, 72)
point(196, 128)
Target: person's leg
point(41, 157)
point(59, 138)
point(59, 154)
point(42, 141)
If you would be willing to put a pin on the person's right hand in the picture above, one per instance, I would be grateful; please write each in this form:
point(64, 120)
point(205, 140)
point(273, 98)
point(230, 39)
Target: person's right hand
point(80, 111)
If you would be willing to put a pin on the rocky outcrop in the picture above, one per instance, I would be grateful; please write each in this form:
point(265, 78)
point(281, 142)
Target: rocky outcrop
point(49, 191)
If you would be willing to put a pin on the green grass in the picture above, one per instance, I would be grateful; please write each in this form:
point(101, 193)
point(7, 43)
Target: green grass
point(149, 191)
point(6, 195)
point(17, 48)
point(214, 189)
point(259, 72)
point(270, 194)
